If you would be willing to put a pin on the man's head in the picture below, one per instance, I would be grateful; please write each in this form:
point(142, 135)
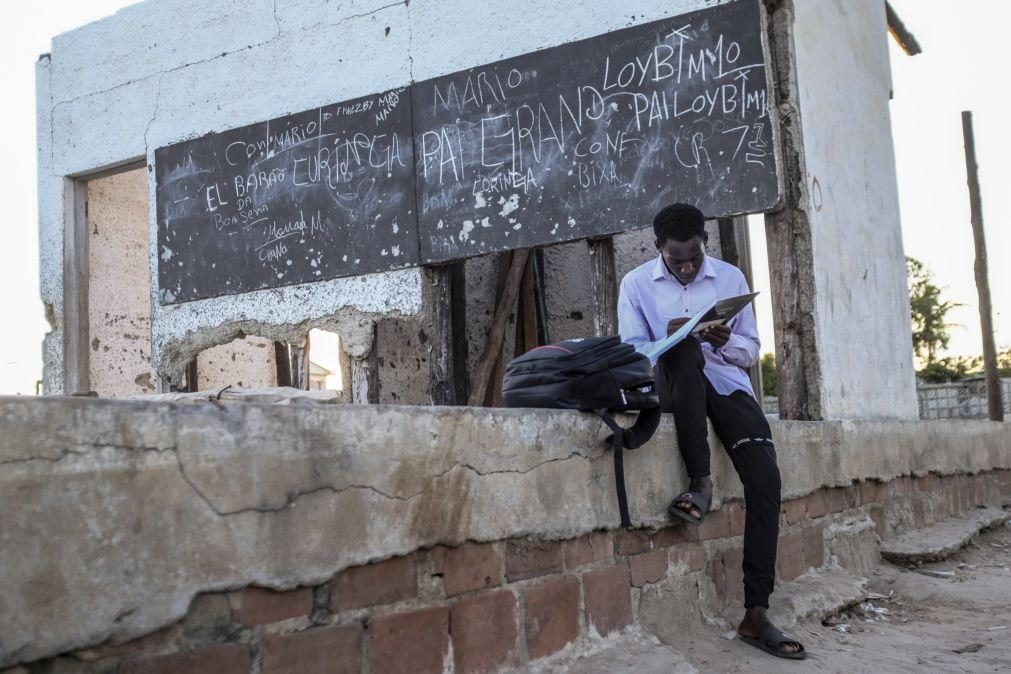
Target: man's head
point(681, 239)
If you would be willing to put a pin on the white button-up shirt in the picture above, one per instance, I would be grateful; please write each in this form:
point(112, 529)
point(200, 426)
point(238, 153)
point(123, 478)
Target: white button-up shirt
point(651, 296)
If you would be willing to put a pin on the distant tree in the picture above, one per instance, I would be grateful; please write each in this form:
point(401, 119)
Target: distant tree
point(929, 313)
point(951, 368)
point(770, 386)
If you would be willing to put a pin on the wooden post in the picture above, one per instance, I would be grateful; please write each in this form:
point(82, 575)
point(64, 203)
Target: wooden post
point(76, 328)
point(458, 321)
point(282, 362)
point(493, 393)
point(365, 374)
point(603, 286)
point(493, 347)
point(441, 365)
point(993, 391)
point(543, 335)
point(299, 364)
point(526, 312)
point(192, 376)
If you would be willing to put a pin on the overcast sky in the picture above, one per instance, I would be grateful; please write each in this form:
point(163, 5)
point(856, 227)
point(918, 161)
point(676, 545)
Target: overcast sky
point(961, 68)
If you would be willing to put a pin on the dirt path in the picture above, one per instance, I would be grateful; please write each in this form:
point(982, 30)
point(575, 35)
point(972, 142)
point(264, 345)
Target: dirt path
point(957, 623)
point(957, 620)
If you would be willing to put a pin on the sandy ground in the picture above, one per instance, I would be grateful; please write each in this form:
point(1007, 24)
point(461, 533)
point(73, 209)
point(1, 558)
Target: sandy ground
point(960, 622)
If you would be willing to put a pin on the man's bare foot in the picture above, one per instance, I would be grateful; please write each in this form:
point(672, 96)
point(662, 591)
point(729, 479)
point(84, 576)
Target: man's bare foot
point(756, 620)
point(702, 485)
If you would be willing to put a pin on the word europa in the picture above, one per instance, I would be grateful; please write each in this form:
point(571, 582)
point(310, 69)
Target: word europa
point(333, 164)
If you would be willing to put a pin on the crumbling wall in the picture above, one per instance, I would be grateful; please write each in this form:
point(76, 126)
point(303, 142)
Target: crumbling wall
point(157, 73)
point(129, 510)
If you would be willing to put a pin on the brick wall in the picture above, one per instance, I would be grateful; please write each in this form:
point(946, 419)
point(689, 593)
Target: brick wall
point(481, 606)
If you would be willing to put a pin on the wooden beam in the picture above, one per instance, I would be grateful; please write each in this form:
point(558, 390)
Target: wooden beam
point(458, 322)
point(526, 312)
point(282, 363)
point(603, 286)
point(493, 395)
point(76, 327)
point(543, 334)
point(441, 364)
point(995, 404)
point(299, 364)
point(789, 239)
point(192, 376)
point(365, 374)
point(899, 31)
point(498, 325)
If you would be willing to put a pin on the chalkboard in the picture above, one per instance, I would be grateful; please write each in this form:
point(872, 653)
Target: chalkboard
point(308, 197)
point(594, 137)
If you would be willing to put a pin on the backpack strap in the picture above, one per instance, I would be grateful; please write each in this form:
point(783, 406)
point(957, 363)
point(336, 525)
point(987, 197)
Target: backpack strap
point(617, 449)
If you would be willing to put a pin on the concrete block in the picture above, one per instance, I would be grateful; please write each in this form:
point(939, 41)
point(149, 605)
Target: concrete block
point(324, 650)
point(551, 615)
point(413, 641)
point(815, 594)
point(940, 540)
point(484, 631)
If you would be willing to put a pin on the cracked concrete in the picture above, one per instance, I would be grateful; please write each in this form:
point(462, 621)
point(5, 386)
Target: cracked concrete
point(131, 508)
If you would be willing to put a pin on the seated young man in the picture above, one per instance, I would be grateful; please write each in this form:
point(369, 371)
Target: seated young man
point(705, 376)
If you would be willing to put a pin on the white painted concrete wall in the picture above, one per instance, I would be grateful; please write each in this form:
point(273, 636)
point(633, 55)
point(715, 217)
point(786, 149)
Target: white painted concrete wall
point(861, 298)
point(160, 72)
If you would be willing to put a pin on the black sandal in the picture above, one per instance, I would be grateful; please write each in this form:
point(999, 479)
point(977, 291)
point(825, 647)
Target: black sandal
point(770, 639)
point(694, 498)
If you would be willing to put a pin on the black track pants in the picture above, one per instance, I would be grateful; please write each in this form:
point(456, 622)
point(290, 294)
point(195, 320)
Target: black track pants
point(744, 431)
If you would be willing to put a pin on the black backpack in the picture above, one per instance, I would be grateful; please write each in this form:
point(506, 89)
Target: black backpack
point(598, 374)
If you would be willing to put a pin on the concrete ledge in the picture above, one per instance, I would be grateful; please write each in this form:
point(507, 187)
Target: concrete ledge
point(128, 510)
point(941, 540)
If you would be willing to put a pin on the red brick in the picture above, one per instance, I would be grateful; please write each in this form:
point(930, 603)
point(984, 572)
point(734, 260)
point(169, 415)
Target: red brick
point(737, 515)
point(692, 555)
point(733, 572)
point(790, 558)
point(416, 642)
point(901, 486)
point(381, 583)
point(596, 546)
point(817, 504)
point(877, 514)
point(649, 567)
point(259, 606)
point(217, 658)
point(552, 615)
point(964, 493)
point(814, 546)
point(678, 533)
point(795, 510)
point(919, 513)
point(869, 492)
point(716, 525)
point(529, 559)
point(840, 499)
point(718, 577)
point(469, 567)
point(632, 542)
point(484, 631)
point(325, 650)
point(978, 489)
point(607, 597)
point(951, 493)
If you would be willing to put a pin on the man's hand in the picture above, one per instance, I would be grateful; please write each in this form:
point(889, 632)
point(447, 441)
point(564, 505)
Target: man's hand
point(674, 324)
point(717, 335)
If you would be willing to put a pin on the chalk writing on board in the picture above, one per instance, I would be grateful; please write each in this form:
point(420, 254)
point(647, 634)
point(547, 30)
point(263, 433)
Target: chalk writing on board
point(307, 197)
point(592, 137)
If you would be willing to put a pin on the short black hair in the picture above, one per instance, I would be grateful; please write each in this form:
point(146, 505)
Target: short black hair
point(679, 222)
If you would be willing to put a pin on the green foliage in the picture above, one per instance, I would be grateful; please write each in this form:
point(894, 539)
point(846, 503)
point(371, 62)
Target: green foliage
point(770, 387)
point(931, 330)
point(954, 368)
